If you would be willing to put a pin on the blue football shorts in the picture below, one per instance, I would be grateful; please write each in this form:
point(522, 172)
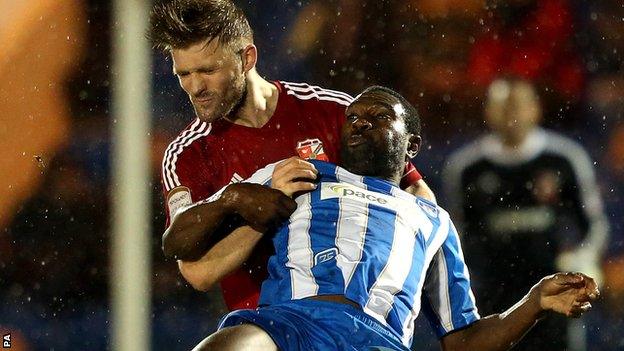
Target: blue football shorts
point(304, 325)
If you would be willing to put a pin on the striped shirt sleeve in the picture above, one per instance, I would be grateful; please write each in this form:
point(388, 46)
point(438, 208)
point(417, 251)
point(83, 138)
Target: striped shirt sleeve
point(447, 300)
point(184, 179)
point(304, 91)
point(173, 165)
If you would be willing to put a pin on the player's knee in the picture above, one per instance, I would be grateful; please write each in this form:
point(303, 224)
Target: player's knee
point(240, 338)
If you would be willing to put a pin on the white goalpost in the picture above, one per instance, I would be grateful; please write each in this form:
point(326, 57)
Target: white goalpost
point(130, 277)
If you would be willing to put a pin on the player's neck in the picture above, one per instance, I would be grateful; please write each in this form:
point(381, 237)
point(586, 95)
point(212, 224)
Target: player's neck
point(394, 178)
point(259, 104)
point(390, 174)
point(513, 142)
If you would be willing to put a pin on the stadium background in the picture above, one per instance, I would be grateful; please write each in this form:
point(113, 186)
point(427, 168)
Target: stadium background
point(55, 133)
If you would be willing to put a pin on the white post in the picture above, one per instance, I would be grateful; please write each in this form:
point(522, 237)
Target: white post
point(130, 253)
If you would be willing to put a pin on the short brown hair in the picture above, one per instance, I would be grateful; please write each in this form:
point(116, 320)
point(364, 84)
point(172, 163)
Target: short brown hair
point(176, 24)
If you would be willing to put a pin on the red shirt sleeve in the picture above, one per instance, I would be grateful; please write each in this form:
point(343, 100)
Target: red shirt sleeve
point(184, 178)
point(410, 176)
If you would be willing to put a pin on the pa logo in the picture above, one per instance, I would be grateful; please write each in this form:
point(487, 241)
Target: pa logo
point(6, 341)
point(325, 255)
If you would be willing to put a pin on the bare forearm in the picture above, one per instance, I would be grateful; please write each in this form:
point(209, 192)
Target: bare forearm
point(569, 294)
point(498, 331)
point(192, 230)
point(222, 259)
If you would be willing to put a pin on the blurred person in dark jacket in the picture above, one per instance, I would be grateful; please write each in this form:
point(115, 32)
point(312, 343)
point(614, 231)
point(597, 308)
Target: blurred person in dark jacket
point(528, 203)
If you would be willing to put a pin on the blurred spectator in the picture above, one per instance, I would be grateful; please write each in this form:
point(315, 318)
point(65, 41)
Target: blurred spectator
point(58, 251)
point(341, 42)
point(272, 21)
point(604, 38)
point(42, 42)
point(602, 125)
point(431, 40)
point(417, 46)
point(529, 206)
point(532, 39)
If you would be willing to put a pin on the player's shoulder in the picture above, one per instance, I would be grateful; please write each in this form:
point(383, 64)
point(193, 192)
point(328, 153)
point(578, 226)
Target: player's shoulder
point(430, 208)
point(189, 140)
point(308, 93)
point(566, 149)
point(183, 151)
point(561, 144)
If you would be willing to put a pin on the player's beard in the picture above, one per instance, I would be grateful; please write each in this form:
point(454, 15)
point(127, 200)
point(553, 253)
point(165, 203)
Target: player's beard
point(368, 159)
point(232, 100)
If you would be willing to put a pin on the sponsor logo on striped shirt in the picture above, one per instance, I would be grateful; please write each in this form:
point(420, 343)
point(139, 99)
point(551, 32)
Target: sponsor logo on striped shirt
point(331, 190)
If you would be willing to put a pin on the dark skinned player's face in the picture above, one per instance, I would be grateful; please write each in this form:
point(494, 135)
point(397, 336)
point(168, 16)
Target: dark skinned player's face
point(374, 137)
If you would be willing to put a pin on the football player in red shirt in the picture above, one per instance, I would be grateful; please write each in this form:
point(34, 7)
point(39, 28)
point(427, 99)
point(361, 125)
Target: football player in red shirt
point(243, 123)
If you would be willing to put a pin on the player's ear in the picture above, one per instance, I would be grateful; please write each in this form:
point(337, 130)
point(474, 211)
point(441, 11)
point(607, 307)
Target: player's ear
point(249, 57)
point(413, 146)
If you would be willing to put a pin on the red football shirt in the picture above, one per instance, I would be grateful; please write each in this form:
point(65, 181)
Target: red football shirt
point(207, 156)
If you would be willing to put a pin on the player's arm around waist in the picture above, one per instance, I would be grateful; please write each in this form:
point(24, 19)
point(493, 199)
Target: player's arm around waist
point(260, 206)
point(222, 259)
point(195, 229)
point(191, 228)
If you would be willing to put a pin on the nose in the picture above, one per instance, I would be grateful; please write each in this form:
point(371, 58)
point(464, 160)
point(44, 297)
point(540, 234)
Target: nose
point(362, 124)
point(196, 85)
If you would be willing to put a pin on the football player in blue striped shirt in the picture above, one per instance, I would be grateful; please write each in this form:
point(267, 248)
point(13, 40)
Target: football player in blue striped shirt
point(359, 258)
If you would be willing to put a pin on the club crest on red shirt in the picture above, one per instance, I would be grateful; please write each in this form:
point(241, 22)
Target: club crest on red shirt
point(311, 149)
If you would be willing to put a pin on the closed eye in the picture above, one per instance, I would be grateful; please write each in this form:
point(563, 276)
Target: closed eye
point(181, 74)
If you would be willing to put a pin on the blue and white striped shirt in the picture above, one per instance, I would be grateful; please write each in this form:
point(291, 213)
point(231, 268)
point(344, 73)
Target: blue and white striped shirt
point(366, 239)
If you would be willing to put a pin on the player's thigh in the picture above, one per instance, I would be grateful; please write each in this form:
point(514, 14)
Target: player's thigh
point(244, 337)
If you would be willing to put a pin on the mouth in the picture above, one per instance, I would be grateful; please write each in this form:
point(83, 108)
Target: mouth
point(356, 140)
point(203, 101)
